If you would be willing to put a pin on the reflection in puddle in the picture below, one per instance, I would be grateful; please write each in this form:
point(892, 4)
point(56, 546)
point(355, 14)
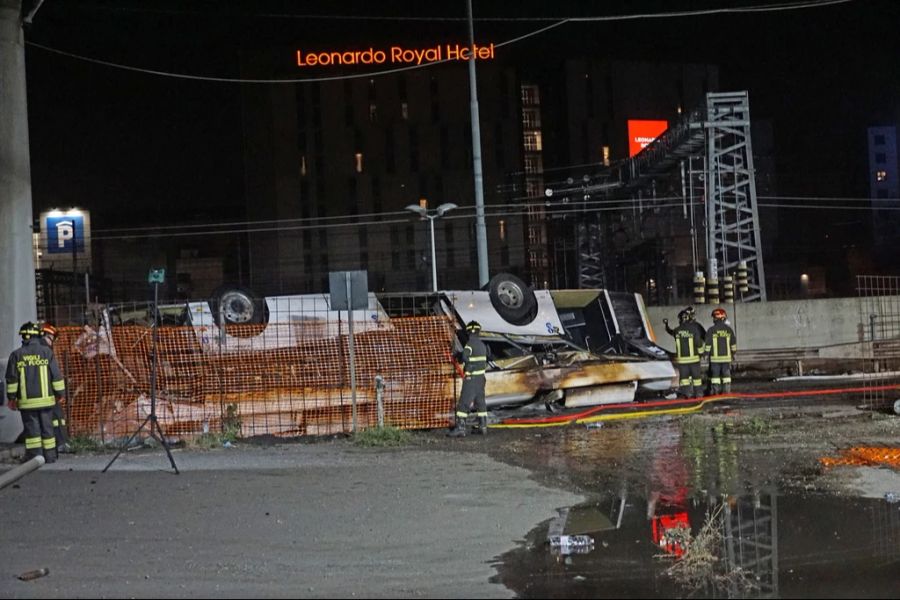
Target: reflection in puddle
point(686, 515)
point(753, 546)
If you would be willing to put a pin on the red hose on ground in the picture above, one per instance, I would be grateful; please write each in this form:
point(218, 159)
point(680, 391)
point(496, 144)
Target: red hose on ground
point(685, 401)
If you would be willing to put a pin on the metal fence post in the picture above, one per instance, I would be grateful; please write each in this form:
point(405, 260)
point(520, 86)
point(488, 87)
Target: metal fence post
point(379, 399)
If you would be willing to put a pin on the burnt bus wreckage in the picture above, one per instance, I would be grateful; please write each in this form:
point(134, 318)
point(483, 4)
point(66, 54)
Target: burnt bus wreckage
point(560, 348)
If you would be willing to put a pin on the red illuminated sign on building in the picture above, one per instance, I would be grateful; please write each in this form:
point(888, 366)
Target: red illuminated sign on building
point(641, 133)
point(395, 55)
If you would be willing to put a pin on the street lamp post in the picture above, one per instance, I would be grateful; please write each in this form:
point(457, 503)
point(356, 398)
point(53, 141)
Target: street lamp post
point(437, 213)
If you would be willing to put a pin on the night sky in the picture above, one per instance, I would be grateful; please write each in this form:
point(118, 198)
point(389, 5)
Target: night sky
point(133, 147)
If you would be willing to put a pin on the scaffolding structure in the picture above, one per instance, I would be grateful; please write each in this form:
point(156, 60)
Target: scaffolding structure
point(708, 156)
point(732, 219)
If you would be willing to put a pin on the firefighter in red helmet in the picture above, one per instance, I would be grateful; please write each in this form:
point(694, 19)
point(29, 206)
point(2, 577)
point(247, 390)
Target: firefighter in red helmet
point(721, 344)
point(60, 428)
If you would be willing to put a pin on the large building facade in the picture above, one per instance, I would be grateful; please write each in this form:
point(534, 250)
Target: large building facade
point(332, 164)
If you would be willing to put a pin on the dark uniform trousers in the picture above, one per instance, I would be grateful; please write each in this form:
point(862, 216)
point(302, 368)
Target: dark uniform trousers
point(34, 381)
point(472, 393)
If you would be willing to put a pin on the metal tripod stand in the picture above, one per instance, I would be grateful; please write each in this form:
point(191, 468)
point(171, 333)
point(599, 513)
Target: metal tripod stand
point(155, 430)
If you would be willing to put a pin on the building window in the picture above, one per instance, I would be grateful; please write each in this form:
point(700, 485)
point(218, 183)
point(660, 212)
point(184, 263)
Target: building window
point(502, 230)
point(413, 149)
point(879, 139)
point(373, 112)
point(410, 259)
point(531, 118)
point(410, 235)
point(880, 158)
point(404, 110)
point(359, 162)
point(303, 166)
point(376, 194)
point(389, 157)
point(445, 147)
point(880, 175)
point(605, 156)
point(533, 164)
point(530, 95)
point(533, 141)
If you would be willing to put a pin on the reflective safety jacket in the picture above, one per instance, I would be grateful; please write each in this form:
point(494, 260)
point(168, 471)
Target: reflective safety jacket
point(474, 357)
point(33, 376)
point(689, 343)
point(721, 343)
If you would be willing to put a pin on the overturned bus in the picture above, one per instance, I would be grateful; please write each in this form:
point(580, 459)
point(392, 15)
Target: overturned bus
point(566, 348)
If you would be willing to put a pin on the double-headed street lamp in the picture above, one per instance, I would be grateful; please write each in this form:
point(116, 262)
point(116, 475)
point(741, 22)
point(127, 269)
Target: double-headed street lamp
point(431, 215)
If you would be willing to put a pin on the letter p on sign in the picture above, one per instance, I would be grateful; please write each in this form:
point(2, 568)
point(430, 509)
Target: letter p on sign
point(65, 232)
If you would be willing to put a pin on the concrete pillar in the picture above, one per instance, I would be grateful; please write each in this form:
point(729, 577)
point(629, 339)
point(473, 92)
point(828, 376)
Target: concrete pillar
point(17, 302)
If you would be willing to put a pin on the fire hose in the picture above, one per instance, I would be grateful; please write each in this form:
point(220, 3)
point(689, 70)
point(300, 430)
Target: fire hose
point(676, 406)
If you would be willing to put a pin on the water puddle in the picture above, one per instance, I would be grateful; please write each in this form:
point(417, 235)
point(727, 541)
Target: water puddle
point(671, 544)
point(704, 509)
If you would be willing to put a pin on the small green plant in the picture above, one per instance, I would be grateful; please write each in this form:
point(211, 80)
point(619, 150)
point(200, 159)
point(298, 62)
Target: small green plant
point(379, 437)
point(753, 426)
point(85, 443)
point(205, 441)
point(231, 424)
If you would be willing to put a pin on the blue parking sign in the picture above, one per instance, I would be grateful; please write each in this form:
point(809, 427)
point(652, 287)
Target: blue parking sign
point(65, 233)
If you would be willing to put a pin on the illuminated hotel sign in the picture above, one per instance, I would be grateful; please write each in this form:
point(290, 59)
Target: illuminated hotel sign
point(641, 133)
point(395, 55)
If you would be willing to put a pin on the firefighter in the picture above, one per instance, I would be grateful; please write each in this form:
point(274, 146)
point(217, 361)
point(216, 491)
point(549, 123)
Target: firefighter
point(474, 360)
point(720, 345)
point(60, 428)
point(34, 381)
point(689, 345)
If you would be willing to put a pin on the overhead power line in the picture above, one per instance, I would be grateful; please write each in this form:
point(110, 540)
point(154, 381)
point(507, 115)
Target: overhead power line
point(672, 14)
point(493, 211)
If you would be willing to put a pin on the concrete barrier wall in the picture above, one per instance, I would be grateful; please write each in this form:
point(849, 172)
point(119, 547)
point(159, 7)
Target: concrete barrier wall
point(781, 324)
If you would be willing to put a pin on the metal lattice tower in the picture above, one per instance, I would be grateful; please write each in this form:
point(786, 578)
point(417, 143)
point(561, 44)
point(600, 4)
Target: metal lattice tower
point(751, 544)
point(731, 208)
point(591, 267)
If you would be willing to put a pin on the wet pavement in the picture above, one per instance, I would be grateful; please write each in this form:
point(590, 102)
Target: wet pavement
point(734, 501)
point(743, 487)
point(768, 546)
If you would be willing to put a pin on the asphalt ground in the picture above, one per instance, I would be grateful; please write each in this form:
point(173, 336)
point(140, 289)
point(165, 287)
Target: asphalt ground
point(430, 519)
point(292, 520)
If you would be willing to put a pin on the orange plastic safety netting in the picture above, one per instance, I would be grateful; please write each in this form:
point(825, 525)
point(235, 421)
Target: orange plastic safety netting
point(283, 379)
point(866, 455)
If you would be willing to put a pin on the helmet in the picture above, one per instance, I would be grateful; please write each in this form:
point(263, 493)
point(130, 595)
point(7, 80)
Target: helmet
point(29, 329)
point(719, 314)
point(50, 331)
point(684, 316)
point(690, 313)
point(473, 326)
